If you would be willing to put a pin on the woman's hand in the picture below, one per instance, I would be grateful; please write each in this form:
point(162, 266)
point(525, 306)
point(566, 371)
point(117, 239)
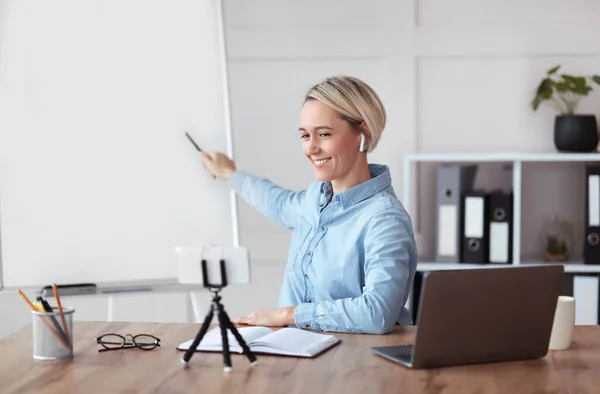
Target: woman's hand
point(269, 317)
point(218, 164)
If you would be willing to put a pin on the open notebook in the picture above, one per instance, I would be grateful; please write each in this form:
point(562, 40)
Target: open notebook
point(286, 341)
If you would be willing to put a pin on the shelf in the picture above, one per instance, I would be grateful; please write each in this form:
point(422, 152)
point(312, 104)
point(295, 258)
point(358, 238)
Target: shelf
point(570, 267)
point(573, 266)
point(421, 203)
point(502, 157)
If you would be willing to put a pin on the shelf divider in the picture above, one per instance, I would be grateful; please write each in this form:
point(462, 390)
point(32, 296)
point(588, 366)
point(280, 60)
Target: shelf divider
point(517, 204)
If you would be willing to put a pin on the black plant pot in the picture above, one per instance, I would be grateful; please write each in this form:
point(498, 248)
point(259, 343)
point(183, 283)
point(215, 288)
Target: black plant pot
point(575, 133)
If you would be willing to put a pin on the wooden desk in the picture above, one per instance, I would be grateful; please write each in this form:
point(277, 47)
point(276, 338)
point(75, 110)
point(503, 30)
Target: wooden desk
point(347, 368)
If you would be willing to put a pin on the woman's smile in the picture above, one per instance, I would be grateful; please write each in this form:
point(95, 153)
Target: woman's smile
point(318, 163)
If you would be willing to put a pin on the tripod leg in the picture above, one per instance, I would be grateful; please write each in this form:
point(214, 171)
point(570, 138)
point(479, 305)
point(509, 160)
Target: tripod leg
point(188, 354)
point(239, 338)
point(225, 340)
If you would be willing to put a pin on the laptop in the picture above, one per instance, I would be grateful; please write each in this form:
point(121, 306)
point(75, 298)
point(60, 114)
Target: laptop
point(477, 316)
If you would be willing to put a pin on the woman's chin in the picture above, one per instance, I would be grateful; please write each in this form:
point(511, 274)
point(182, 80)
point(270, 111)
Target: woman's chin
point(323, 176)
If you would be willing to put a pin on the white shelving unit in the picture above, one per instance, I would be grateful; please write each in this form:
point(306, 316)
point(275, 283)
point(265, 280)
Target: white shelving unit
point(516, 159)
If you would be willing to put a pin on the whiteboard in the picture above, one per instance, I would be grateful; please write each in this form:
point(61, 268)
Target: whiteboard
point(98, 182)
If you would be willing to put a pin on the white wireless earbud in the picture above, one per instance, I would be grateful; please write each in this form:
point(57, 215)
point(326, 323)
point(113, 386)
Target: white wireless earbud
point(362, 142)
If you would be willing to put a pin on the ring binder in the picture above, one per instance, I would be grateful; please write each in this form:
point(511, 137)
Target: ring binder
point(452, 182)
point(591, 249)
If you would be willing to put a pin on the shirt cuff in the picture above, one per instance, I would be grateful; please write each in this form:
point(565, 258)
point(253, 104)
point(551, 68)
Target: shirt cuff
point(236, 180)
point(305, 316)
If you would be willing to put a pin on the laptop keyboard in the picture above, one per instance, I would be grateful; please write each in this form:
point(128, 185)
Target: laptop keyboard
point(402, 351)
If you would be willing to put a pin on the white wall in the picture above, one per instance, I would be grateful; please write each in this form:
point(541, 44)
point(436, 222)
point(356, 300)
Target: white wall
point(478, 64)
point(277, 50)
point(453, 75)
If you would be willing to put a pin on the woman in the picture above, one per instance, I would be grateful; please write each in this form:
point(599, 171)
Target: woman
point(352, 256)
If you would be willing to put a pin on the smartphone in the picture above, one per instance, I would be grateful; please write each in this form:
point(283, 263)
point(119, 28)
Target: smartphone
point(189, 264)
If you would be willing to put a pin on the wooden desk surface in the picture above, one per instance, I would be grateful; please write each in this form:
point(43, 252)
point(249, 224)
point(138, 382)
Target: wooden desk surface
point(349, 367)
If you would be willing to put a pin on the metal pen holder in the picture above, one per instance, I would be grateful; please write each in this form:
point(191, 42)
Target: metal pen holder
point(53, 334)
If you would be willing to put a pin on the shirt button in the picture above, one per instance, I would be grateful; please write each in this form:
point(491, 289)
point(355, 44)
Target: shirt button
point(308, 326)
point(306, 276)
point(309, 253)
point(308, 300)
point(322, 228)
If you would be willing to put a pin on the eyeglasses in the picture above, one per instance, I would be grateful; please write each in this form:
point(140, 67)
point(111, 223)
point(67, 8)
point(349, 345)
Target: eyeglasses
point(116, 342)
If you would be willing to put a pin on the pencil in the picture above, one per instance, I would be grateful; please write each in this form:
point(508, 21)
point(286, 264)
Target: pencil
point(34, 308)
point(26, 299)
point(39, 308)
point(60, 309)
point(59, 329)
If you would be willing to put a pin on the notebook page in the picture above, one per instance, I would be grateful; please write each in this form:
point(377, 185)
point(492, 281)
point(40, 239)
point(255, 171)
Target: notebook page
point(261, 349)
point(212, 339)
point(297, 341)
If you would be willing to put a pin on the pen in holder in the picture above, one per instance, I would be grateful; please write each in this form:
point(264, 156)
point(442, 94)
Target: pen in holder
point(53, 334)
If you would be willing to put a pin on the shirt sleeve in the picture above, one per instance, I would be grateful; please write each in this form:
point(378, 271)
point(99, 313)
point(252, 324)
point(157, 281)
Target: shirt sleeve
point(278, 204)
point(389, 253)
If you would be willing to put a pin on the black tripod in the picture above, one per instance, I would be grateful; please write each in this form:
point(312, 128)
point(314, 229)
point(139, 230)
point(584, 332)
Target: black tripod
point(224, 323)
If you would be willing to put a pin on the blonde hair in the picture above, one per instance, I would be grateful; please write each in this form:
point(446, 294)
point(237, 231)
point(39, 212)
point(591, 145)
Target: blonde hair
point(356, 102)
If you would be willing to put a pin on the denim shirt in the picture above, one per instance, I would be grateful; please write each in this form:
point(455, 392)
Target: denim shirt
point(351, 262)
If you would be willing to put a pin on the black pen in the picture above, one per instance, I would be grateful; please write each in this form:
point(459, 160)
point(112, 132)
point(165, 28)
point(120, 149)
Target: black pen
point(193, 142)
point(197, 147)
point(48, 308)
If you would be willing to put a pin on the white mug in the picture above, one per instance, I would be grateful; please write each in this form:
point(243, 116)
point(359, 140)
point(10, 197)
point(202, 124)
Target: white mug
point(564, 321)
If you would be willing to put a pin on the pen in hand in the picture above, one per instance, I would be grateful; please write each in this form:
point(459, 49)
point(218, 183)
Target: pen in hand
point(197, 148)
point(193, 142)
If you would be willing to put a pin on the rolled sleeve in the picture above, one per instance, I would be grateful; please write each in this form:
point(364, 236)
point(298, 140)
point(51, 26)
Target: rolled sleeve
point(279, 204)
point(236, 180)
point(305, 316)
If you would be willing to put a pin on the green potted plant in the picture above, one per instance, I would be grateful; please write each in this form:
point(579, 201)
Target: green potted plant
point(572, 132)
point(556, 249)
